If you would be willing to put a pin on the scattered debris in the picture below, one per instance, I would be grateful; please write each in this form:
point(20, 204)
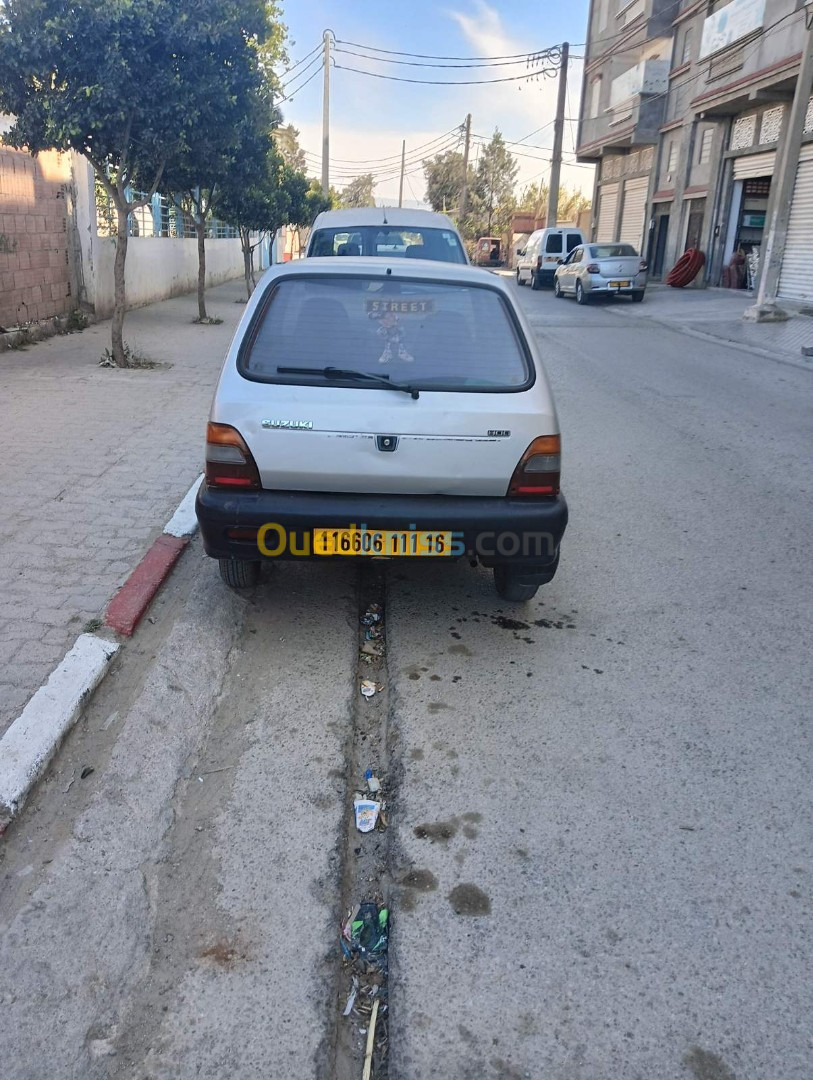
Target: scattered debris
point(373, 783)
point(368, 1053)
point(366, 814)
point(372, 615)
point(372, 647)
point(351, 999)
point(86, 771)
point(368, 688)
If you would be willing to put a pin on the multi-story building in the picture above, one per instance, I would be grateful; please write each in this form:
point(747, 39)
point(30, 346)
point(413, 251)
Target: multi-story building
point(683, 104)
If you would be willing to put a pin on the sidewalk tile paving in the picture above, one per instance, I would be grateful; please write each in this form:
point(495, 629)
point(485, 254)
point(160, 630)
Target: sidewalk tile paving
point(95, 462)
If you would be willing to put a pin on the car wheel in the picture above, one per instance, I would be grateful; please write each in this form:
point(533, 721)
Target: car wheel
point(637, 297)
point(557, 289)
point(519, 278)
point(581, 295)
point(536, 284)
point(240, 573)
point(511, 586)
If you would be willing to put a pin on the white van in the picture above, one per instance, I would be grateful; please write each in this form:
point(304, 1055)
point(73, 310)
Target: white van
point(382, 408)
point(546, 248)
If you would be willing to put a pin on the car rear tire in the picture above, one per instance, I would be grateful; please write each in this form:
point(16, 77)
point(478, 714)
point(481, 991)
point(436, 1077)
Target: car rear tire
point(557, 289)
point(536, 284)
point(519, 278)
point(240, 573)
point(637, 297)
point(581, 295)
point(511, 586)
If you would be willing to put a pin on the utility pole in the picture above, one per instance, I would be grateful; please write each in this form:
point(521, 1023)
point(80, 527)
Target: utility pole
point(326, 118)
point(787, 160)
point(558, 133)
point(401, 185)
point(464, 190)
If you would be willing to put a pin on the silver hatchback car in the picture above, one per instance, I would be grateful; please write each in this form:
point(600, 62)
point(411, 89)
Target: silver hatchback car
point(601, 270)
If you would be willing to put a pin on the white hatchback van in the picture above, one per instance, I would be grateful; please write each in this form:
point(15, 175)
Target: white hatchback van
point(546, 248)
point(384, 409)
point(386, 232)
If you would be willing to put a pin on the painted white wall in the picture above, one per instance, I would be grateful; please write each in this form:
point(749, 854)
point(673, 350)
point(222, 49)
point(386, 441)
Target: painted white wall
point(157, 266)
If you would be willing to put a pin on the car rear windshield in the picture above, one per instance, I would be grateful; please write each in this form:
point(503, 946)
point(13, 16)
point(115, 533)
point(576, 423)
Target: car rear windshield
point(431, 335)
point(439, 245)
point(611, 251)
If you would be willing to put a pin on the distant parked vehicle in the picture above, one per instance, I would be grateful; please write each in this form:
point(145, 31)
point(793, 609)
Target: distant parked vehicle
point(386, 232)
point(601, 270)
point(488, 251)
point(537, 261)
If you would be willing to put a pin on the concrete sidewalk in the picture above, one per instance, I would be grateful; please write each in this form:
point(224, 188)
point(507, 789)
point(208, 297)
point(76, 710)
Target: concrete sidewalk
point(95, 460)
point(717, 314)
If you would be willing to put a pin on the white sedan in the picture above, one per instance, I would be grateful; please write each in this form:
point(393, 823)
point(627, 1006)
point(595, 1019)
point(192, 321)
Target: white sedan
point(601, 270)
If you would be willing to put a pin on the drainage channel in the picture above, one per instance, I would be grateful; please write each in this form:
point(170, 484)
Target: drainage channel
point(361, 1031)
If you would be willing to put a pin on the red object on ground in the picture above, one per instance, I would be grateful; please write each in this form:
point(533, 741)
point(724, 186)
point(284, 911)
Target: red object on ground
point(125, 610)
point(686, 269)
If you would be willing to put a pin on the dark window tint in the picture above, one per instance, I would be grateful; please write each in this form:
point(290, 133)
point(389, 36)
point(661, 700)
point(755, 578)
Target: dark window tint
point(573, 240)
point(554, 243)
point(439, 245)
point(611, 251)
point(433, 336)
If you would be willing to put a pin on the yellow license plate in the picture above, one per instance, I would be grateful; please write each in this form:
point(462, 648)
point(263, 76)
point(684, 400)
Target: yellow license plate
point(619, 284)
point(381, 543)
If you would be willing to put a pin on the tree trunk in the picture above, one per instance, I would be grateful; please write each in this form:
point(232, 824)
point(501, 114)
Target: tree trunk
point(245, 242)
point(200, 229)
point(117, 343)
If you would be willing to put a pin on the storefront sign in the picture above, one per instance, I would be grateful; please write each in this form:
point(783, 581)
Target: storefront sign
point(731, 23)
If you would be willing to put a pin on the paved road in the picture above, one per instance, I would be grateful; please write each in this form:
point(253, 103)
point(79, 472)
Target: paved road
point(599, 850)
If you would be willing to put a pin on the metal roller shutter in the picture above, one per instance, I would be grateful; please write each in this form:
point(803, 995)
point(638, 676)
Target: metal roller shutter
point(607, 205)
point(795, 280)
point(753, 165)
point(633, 214)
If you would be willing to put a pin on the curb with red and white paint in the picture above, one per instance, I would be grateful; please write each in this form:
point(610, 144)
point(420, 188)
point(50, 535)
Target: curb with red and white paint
point(30, 742)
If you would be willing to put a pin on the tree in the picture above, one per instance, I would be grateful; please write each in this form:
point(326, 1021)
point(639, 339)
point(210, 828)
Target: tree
point(494, 186)
point(262, 193)
point(287, 140)
point(121, 82)
point(534, 200)
point(359, 192)
point(444, 183)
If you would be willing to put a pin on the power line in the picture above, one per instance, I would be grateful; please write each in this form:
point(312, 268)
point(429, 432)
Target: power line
point(430, 56)
point(414, 157)
point(527, 59)
point(392, 157)
point(299, 63)
point(544, 72)
point(302, 86)
point(317, 60)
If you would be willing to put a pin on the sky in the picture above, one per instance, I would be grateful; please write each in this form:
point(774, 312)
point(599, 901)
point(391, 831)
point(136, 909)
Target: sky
point(370, 116)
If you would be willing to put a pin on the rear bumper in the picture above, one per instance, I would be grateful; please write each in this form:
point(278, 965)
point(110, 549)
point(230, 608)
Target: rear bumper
point(496, 531)
point(602, 285)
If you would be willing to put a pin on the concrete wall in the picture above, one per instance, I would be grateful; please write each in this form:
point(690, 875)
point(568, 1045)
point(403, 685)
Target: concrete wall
point(159, 267)
point(35, 272)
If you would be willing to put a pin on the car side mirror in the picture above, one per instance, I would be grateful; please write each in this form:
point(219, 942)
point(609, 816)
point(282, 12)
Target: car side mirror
point(560, 261)
point(520, 251)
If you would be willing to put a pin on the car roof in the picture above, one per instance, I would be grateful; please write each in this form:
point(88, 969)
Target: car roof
point(382, 215)
point(380, 266)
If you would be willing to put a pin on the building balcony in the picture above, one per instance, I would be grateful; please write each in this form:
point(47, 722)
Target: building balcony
point(637, 100)
point(647, 77)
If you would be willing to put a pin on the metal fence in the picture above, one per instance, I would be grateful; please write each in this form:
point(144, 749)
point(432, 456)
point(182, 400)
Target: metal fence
point(161, 216)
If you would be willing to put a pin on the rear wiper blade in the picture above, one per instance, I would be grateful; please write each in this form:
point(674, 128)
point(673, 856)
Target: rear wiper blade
point(383, 381)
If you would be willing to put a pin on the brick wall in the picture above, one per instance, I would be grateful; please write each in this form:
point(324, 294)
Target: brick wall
point(34, 263)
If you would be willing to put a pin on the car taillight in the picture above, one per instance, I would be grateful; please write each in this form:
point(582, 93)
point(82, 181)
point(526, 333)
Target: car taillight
point(228, 460)
point(642, 265)
point(538, 470)
point(593, 268)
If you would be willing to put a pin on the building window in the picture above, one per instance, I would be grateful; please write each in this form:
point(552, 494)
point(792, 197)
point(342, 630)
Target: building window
point(687, 46)
point(595, 94)
point(771, 125)
point(705, 147)
point(742, 134)
point(604, 6)
point(673, 157)
point(809, 116)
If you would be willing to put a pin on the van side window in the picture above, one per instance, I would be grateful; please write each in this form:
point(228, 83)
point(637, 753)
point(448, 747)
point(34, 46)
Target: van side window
point(554, 244)
point(573, 240)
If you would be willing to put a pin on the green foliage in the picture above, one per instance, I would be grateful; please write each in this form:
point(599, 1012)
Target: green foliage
point(444, 181)
point(494, 187)
point(534, 200)
point(286, 138)
point(358, 192)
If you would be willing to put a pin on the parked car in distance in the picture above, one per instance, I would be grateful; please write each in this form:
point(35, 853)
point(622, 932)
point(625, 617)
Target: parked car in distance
point(537, 261)
point(381, 408)
point(602, 270)
point(387, 232)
